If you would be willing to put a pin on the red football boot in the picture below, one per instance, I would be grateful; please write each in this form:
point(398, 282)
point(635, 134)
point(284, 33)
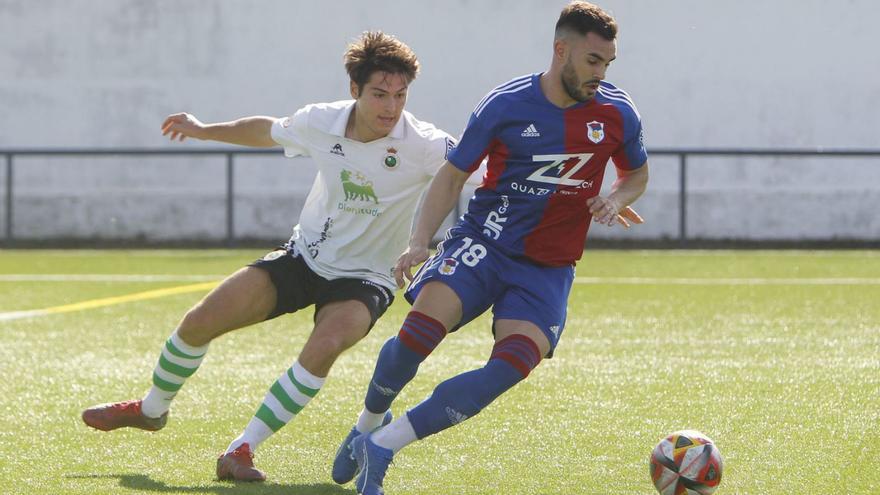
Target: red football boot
point(238, 465)
point(106, 417)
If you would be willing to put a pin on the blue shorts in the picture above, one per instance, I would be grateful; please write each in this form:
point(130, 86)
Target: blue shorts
point(483, 277)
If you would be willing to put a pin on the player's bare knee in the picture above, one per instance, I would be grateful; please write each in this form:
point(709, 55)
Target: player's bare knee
point(351, 334)
point(325, 345)
point(195, 327)
point(342, 326)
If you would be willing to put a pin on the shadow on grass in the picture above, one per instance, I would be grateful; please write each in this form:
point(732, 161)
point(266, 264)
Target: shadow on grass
point(142, 483)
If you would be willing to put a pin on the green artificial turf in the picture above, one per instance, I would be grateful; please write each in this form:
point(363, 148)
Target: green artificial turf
point(773, 354)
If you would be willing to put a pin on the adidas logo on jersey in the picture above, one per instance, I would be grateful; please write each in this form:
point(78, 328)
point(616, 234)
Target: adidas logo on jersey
point(530, 131)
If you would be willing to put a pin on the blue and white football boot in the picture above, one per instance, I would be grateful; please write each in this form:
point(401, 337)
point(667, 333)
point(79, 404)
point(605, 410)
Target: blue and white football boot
point(372, 461)
point(344, 465)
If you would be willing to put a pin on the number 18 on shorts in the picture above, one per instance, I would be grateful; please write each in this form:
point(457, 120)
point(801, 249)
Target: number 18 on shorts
point(484, 277)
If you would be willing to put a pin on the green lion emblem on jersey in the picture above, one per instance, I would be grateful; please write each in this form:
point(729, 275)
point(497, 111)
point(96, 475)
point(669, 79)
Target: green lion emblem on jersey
point(362, 192)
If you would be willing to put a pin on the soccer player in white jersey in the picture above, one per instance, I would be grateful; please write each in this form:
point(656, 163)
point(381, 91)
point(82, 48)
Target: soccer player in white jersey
point(374, 160)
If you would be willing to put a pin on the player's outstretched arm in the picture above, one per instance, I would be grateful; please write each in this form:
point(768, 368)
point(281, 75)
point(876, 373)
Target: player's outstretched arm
point(443, 194)
point(248, 131)
point(615, 208)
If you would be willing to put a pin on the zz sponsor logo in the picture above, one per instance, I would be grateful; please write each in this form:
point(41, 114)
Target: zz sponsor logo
point(560, 163)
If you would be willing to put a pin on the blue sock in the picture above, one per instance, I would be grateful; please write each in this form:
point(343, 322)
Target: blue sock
point(463, 396)
point(400, 358)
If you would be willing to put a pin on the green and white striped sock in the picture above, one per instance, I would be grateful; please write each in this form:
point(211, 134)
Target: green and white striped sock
point(286, 398)
point(177, 362)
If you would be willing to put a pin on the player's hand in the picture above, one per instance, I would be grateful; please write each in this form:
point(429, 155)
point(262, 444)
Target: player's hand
point(604, 210)
point(413, 256)
point(628, 215)
point(182, 126)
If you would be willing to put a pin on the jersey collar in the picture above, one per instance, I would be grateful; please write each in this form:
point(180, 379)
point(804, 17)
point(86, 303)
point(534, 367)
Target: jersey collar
point(338, 127)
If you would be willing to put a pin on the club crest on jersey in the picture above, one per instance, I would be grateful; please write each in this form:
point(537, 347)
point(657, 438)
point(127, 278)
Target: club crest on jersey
point(448, 266)
point(596, 131)
point(391, 159)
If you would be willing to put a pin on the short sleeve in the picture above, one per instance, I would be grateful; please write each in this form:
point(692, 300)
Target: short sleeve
point(291, 133)
point(632, 153)
point(474, 144)
point(439, 146)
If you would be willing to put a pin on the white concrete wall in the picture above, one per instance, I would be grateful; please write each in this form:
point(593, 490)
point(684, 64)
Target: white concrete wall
point(104, 73)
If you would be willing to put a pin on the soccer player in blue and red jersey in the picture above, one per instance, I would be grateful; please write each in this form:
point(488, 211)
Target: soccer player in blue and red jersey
point(548, 138)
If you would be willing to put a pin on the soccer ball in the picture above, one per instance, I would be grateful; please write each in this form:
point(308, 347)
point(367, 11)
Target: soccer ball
point(686, 463)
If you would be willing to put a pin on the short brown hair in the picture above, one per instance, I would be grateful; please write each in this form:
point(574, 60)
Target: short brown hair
point(377, 51)
point(584, 17)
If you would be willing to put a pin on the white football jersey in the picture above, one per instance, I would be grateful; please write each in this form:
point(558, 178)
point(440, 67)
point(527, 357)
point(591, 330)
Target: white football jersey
point(358, 215)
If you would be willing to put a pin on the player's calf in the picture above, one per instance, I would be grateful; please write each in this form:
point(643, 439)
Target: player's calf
point(400, 358)
point(465, 395)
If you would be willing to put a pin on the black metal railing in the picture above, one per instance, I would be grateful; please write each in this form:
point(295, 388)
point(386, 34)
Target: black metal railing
point(684, 153)
point(230, 153)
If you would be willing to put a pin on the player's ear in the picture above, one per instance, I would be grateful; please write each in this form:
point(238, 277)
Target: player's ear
point(559, 49)
point(355, 91)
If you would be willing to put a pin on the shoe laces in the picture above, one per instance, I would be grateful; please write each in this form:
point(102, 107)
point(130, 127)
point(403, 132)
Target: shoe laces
point(129, 406)
point(244, 450)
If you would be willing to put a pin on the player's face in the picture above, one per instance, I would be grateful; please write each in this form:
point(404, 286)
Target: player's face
point(588, 57)
point(379, 104)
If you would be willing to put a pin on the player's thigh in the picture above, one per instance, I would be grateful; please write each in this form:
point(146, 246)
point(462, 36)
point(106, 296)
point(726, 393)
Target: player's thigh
point(458, 283)
point(440, 302)
point(244, 298)
point(350, 301)
point(345, 311)
point(341, 324)
point(537, 295)
point(338, 326)
point(505, 328)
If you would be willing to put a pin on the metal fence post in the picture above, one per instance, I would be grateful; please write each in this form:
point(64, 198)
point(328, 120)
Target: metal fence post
point(230, 199)
point(9, 177)
point(682, 199)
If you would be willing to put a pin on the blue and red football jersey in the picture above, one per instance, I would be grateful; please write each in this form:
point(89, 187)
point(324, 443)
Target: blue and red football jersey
point(544, 162)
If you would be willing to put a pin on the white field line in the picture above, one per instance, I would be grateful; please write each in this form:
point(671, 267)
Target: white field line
point(221, 253)
point(775, 253)
point(23, 277)
point(94, 277)
point(725, 281)
point(17, 315)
